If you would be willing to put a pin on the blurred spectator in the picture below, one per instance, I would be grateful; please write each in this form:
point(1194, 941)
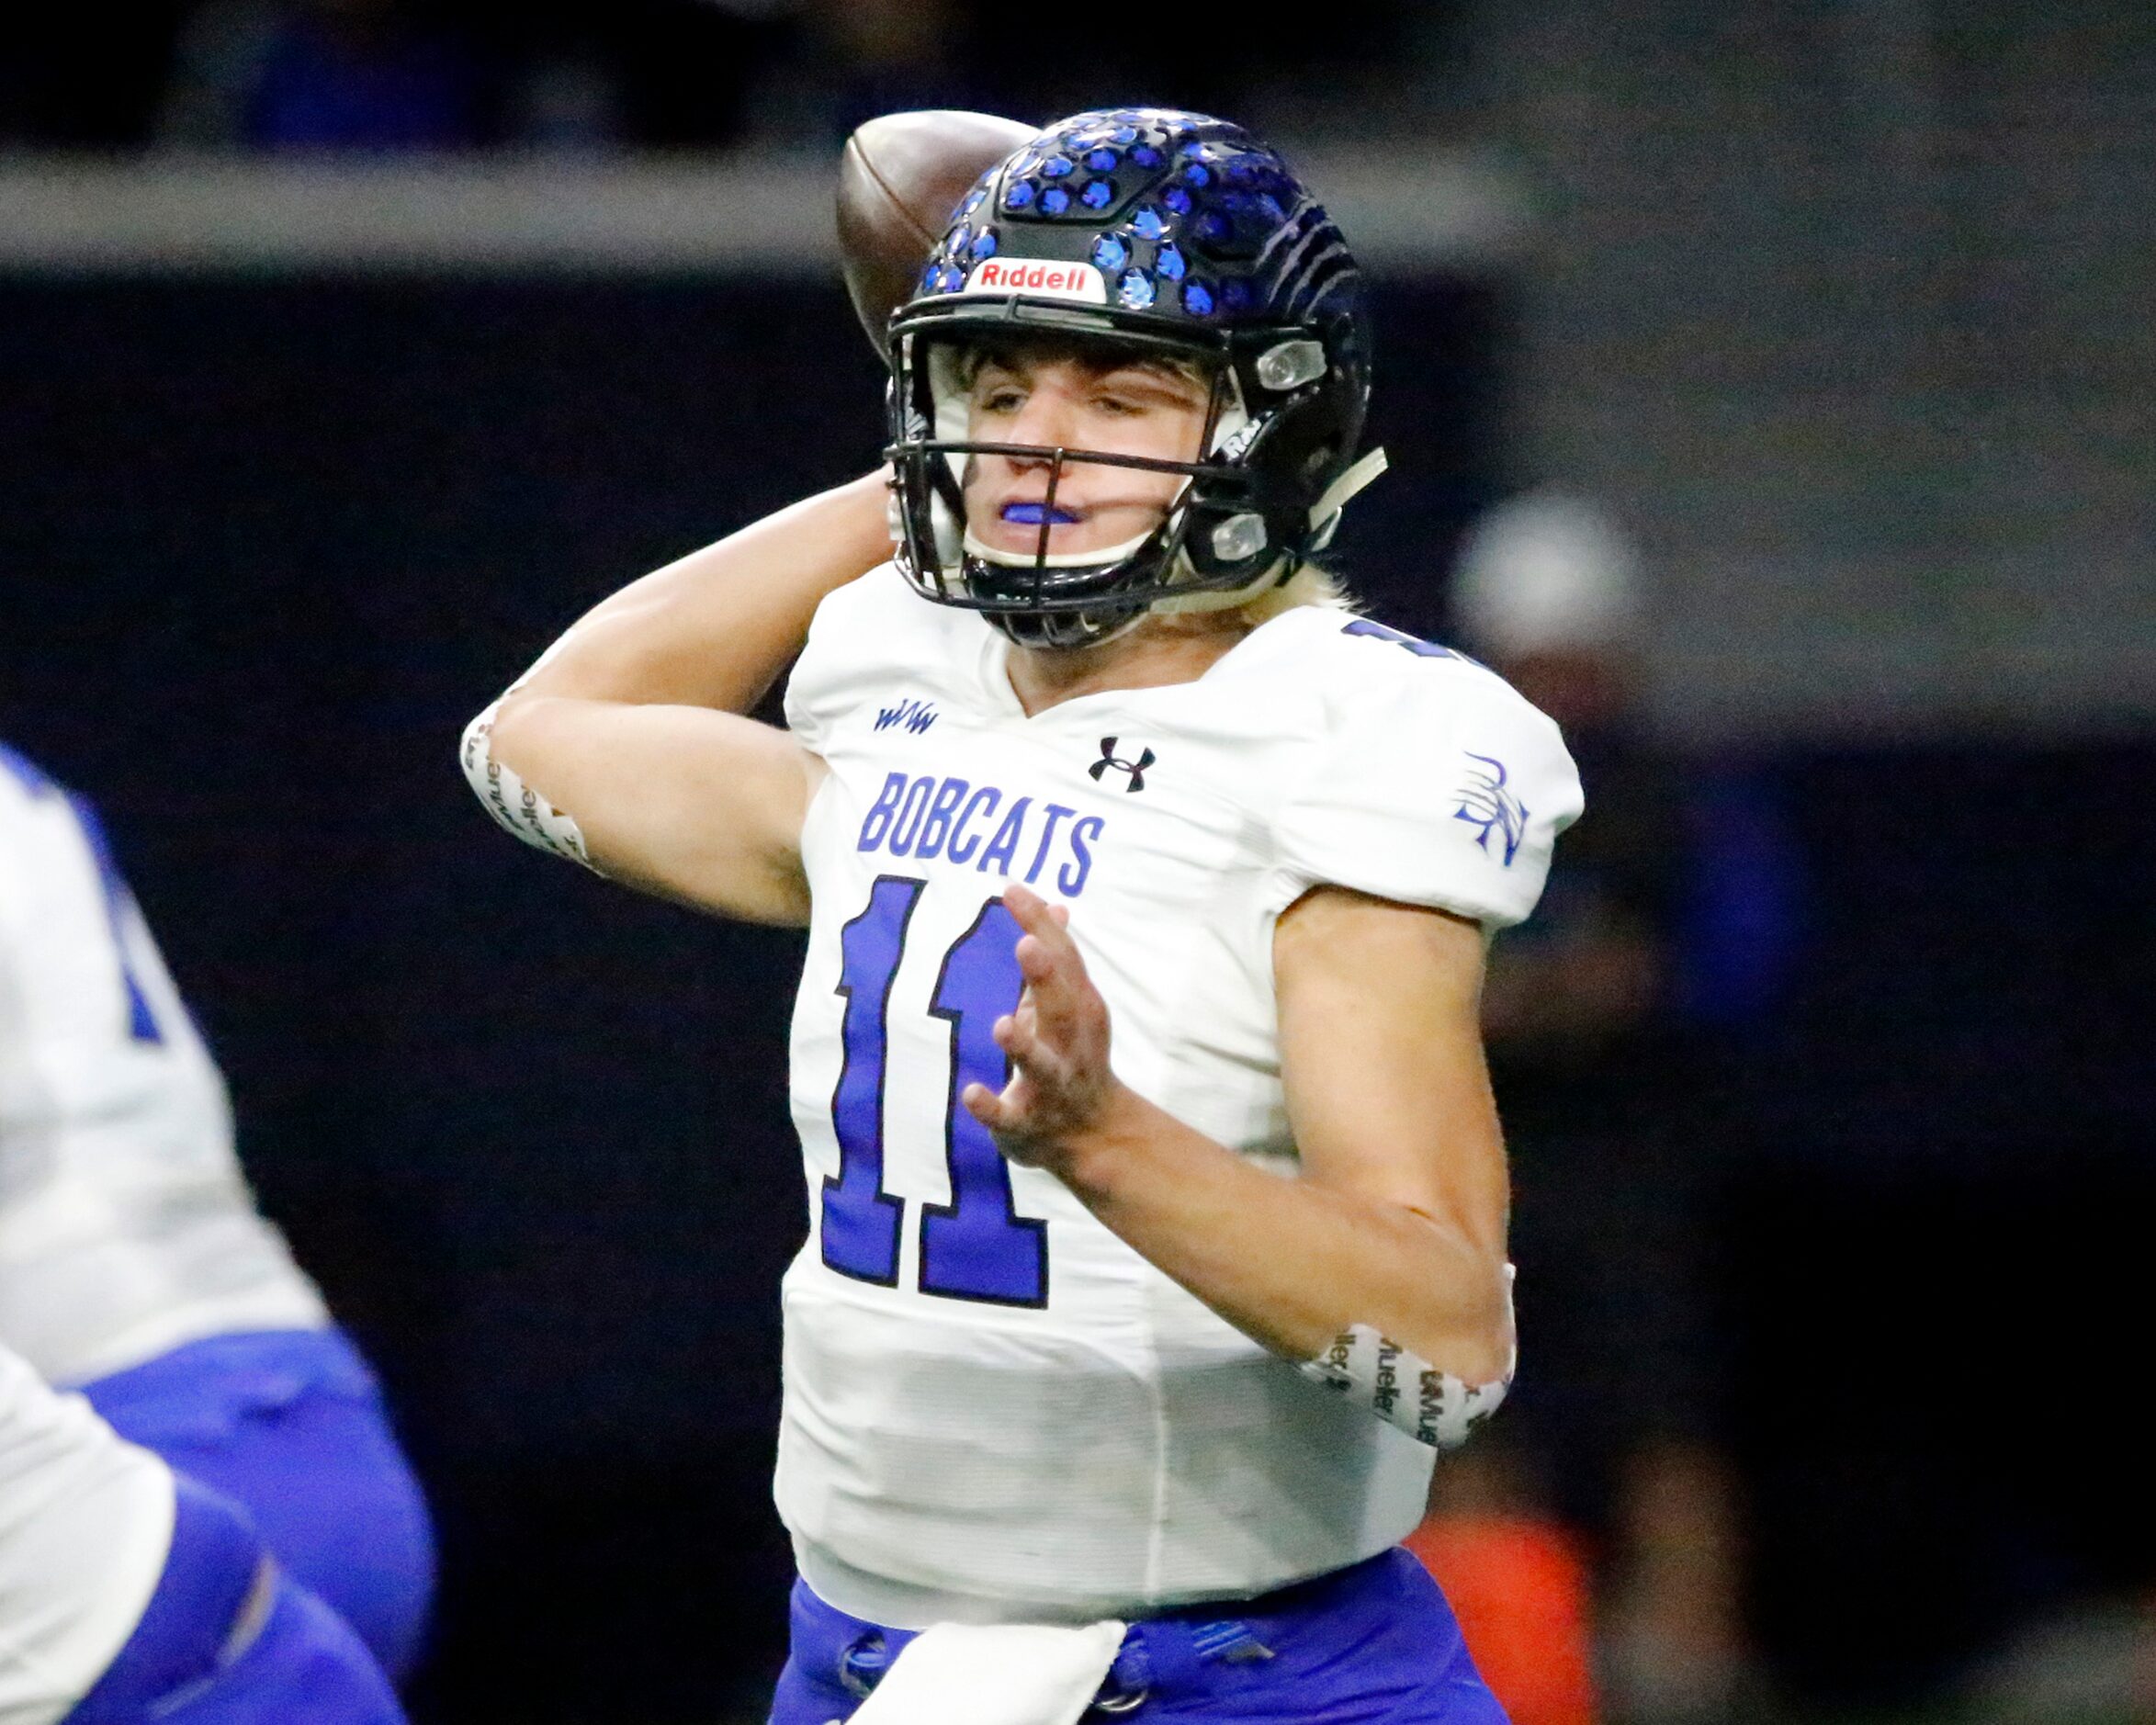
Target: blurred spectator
point(1609, 1436)
point(387, 75)
point(370, 75)
point(404, 75)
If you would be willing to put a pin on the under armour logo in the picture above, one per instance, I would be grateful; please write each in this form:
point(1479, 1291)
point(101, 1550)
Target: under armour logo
point(1108, 758)
point(916, 715)
point(1487, 804)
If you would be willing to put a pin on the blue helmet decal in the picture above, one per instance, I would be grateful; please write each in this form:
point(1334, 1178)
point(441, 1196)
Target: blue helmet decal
point(1182, 196)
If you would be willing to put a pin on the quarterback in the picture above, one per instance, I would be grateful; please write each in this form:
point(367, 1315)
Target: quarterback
point(1157, 1201)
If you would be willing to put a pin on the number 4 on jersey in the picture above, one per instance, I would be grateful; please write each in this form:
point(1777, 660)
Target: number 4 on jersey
point(976, 1246)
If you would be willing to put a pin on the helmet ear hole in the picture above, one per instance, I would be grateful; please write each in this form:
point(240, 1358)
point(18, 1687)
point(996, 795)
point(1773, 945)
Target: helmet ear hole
point(1291, 364)
point(1240, 537)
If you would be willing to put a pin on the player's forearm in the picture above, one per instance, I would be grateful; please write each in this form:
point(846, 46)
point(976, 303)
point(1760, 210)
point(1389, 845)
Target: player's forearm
point(1290, 1262)
point(716, 628)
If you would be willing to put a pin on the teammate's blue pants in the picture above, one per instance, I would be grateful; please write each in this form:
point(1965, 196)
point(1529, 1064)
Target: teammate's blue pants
point(228, 1639)
point(1372, 1645)
point(290, 1425)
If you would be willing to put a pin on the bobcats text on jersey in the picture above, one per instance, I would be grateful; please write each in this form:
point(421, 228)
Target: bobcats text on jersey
point(960, 824)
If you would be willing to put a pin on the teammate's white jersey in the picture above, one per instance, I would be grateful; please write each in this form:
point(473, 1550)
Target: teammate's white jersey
point(994, 1407)
point(126, 1227)
point(86, 1521)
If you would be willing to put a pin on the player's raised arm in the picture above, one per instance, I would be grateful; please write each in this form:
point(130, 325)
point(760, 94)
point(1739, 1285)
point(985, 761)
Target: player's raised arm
point(1397, 1224)
point(625, 747)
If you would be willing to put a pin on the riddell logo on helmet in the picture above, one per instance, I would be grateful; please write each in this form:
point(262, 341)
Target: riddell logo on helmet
point(1034, 276)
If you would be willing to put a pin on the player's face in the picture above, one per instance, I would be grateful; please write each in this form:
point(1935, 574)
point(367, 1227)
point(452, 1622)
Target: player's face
point(1136, 406)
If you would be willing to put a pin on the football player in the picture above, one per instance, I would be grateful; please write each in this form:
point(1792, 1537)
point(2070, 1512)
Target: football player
point(1157, 1199)
point(130, 1594)
point(133, 1264)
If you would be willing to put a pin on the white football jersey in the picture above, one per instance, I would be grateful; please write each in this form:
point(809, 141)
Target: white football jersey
point(86, 1521)
point(993, 1406)
point(126, 1227)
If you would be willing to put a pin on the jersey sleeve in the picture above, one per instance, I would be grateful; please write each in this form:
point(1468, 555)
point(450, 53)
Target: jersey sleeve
point(850, 653)
point(1434, 784)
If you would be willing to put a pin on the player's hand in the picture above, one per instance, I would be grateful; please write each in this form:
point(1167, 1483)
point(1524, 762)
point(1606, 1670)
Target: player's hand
point(1057, 1040)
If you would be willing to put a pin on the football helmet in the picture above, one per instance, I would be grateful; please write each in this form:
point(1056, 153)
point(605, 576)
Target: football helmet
point(1163, 233)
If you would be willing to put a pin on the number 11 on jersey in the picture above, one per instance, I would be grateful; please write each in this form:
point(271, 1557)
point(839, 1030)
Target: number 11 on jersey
point(976, 1246)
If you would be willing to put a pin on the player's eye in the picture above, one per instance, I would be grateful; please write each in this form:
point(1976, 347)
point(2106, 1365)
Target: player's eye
point(1003, 399)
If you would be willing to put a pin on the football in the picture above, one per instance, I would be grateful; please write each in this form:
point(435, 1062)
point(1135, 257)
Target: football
point(899, 179)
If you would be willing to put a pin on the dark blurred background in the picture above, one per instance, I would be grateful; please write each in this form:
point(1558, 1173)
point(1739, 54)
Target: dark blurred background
point(348, 348)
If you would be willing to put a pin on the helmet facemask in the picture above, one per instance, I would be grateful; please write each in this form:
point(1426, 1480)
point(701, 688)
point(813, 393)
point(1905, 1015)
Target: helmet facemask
point(1208, 546)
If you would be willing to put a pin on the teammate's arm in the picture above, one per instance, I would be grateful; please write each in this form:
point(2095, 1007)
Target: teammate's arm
point(632, 728)
point(1398, 1220)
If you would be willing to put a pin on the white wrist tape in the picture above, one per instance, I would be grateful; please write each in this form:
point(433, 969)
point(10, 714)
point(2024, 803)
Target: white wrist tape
point(1429, 1403)
point(516, 806)
point(1426, 1403)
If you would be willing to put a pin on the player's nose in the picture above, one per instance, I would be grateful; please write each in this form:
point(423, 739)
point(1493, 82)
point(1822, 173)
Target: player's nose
point(1045, 421)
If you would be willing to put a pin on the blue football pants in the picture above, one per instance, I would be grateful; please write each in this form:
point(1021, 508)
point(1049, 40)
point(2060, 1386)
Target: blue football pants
point(290, 1425)
point(226, 1639)
point(1375, 1644)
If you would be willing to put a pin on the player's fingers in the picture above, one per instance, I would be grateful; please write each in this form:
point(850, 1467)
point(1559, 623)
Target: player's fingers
point(1049, 974)
point(1034, 1063)
point(1056, 986)
point(983, 1105)
point(1008, 1116)
point(1018, 1036)
point(1036, 963)
point(1036, 917)
point(1059, 992)
point(1025, 904)
point(1047, 956)
point(1021, 1036)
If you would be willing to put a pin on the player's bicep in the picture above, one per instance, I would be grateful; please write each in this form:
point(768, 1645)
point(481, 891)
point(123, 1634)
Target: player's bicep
point(686, 802)
point(1387, 1090)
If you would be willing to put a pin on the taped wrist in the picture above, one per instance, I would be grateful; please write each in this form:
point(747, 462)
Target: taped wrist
point(516, 806)
point(1429, 1403)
